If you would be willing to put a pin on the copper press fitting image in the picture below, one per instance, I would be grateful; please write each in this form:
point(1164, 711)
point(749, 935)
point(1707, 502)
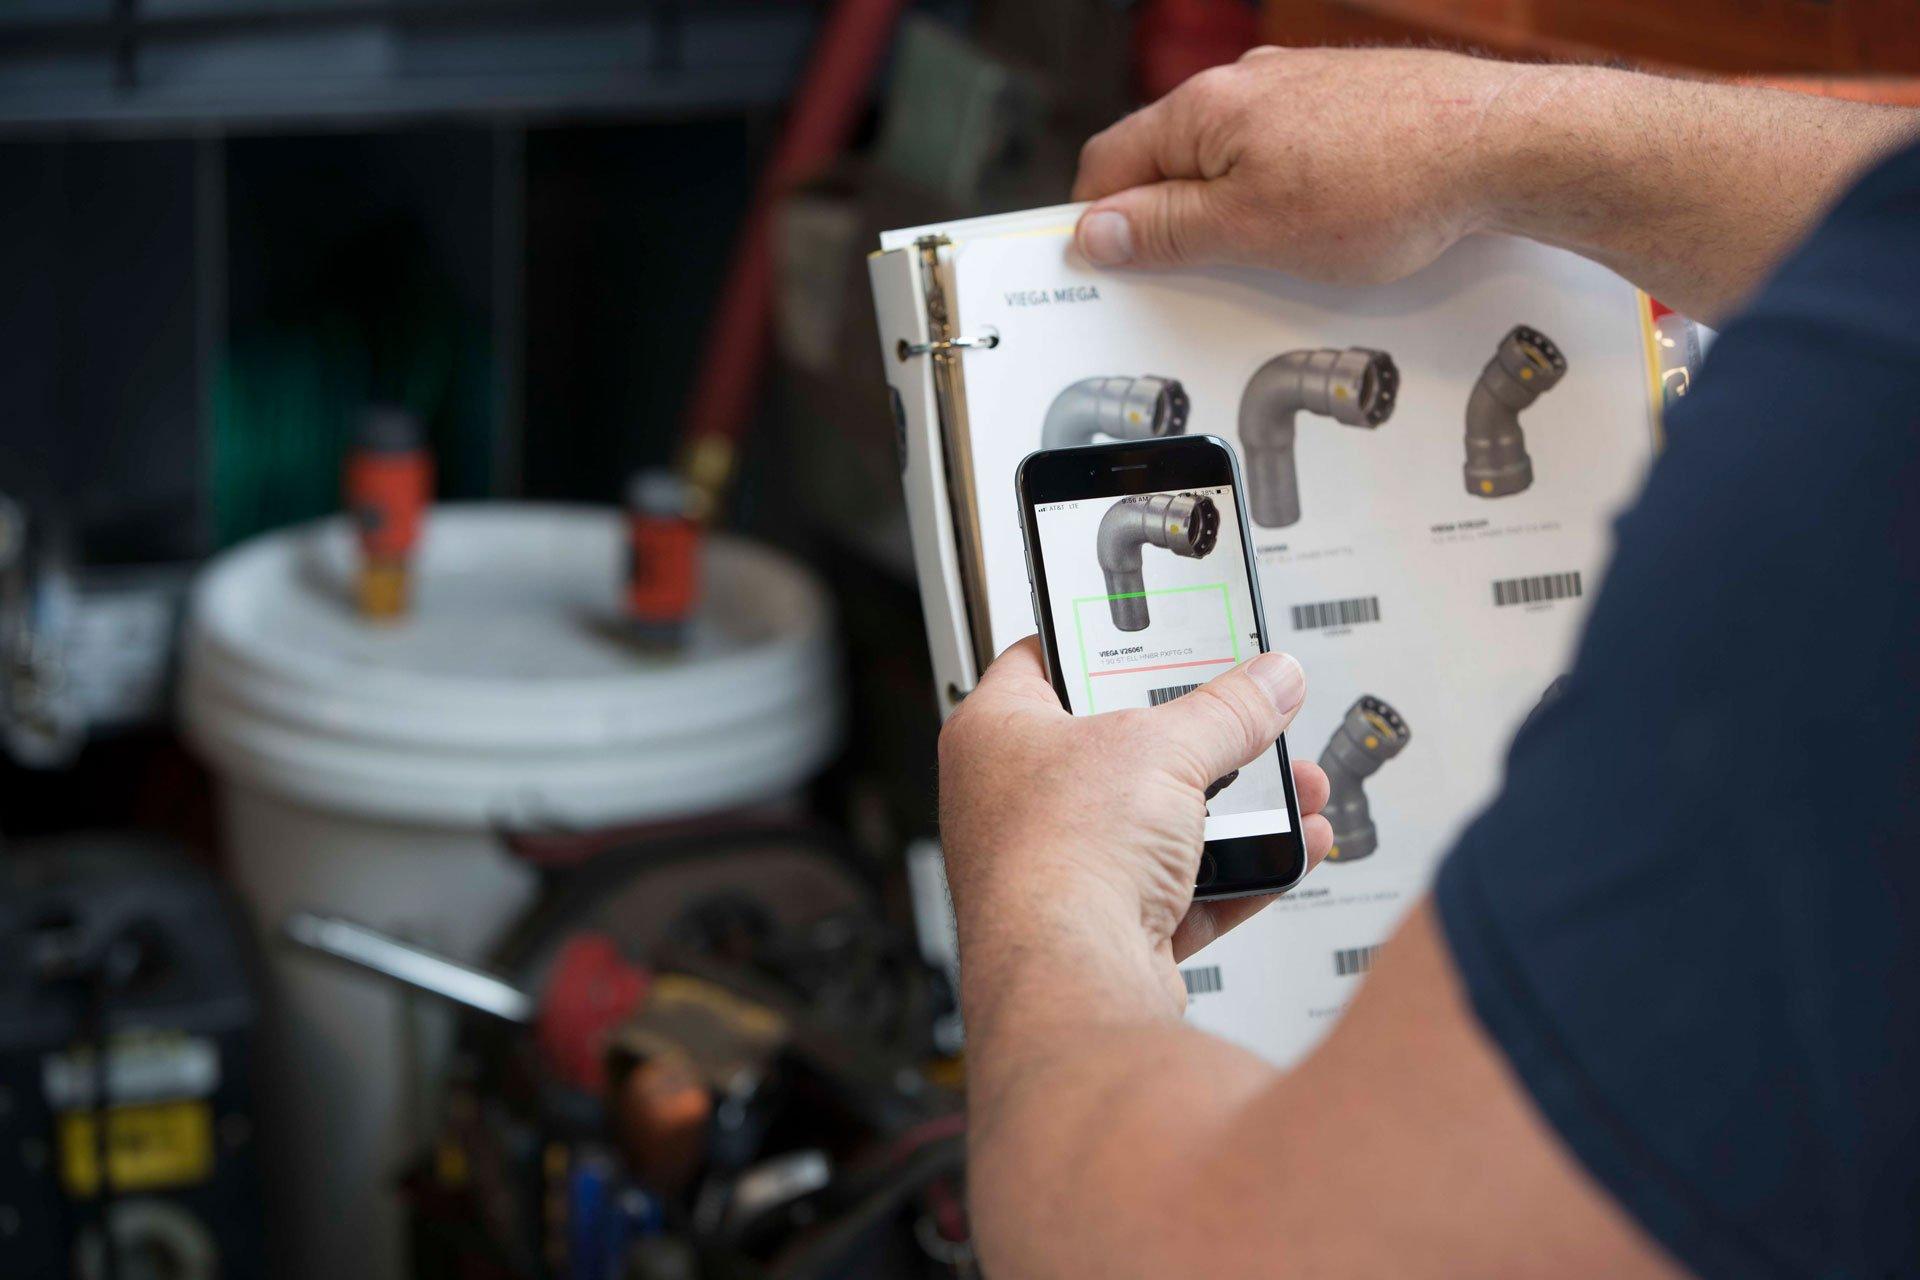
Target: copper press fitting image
point(1355, 386)
point(1525, 366)
point(1369, 735)
point(1143, 408)
point(1186, 524)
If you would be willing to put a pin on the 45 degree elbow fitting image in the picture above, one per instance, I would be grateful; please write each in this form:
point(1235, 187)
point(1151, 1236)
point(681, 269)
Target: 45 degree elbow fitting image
point(1525, 365)
point(1186, 524)
point(1369, 735)
point(1123, 408)
point(1355, 386)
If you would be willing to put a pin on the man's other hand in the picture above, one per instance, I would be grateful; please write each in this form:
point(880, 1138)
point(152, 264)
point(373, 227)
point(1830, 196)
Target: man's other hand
point(1360, 166)
point(1350, 166)
point(1037, 803)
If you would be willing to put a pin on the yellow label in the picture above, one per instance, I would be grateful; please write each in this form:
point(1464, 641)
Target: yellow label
point(161, 1144)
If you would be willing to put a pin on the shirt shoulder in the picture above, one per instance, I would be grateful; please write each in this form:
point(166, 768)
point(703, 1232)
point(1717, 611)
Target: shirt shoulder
point(1691, 918)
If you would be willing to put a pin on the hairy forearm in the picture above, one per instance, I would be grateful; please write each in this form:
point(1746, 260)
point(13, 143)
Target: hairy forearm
point(1693, 190)
point(1096, 1115)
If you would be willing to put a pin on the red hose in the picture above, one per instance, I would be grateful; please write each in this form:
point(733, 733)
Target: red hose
point(853, 39)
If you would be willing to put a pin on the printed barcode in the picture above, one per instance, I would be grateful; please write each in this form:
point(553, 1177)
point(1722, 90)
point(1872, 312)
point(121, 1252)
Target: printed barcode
point(1545, 586)
point(1353, 960)
point(1201, 981)
point(1168, 694)
point(1336, 613)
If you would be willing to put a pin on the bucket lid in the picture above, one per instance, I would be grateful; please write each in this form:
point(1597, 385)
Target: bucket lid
point(509, 693)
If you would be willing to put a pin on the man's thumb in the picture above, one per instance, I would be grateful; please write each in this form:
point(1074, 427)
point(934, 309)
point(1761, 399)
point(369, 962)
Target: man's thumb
point(1231, 719)
point(1163, 224)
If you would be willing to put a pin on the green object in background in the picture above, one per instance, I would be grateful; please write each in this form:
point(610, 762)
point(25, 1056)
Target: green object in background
point(290, 391)
point(957, 120)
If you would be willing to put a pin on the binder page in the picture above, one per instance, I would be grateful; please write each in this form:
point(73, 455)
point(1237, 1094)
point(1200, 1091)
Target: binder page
point(1431, 468)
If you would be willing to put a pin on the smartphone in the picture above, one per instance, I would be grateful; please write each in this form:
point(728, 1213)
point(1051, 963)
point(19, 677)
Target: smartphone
point(1143, 590)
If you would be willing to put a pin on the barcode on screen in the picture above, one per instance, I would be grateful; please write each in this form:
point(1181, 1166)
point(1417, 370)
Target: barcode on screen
point(1202, 980)
point(1336, 613)
point(1537, 589)
point(1353, 960)
point(1157, 696)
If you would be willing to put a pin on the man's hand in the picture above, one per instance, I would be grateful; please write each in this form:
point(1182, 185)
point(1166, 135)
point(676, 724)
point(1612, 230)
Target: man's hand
point(1109, 1137)
point(1353, 166)
point(1362, 165)
point(1106, 812)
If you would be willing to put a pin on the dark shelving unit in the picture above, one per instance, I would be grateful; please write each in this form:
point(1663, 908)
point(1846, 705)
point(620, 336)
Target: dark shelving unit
point(185, 176)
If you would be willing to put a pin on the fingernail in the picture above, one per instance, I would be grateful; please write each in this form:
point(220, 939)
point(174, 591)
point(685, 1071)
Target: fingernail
point(1281, 678)
point(1107, 239)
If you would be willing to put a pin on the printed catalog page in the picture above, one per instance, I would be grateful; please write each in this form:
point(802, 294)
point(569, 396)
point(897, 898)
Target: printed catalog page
point(1430, 472)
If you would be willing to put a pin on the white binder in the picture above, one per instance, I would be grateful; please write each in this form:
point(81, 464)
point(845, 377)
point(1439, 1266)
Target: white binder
point(1397, 581)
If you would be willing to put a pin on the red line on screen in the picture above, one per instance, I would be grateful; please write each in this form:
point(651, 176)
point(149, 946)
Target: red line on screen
point(1165, 666)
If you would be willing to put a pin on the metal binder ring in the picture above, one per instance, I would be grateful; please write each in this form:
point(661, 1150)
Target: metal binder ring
point(986, 341)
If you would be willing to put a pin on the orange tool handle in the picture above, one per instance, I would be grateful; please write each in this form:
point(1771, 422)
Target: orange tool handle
point(663, 567)
point(387, 494)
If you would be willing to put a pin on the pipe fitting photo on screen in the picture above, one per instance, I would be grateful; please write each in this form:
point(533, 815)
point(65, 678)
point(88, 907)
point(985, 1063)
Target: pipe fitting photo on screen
point(1355, 386)
point(1369, 735)
point(1186, 524)
point(1205, 618)
point(1524, 366)
point(1118, 408)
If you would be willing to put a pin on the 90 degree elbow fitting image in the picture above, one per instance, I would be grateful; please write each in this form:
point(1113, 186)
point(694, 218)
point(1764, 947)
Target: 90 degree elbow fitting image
point(1369, 735)
point(1355, 386)
point(1186, 524)
point(1525, 365)
point(1122, 408)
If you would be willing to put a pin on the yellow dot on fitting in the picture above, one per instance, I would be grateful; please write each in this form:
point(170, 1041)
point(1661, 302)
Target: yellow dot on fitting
point(1339, 393)
point(1333, 853)
point(1371, 742)
point(1486, 486)
point(1526, 375)
point(1133, 415)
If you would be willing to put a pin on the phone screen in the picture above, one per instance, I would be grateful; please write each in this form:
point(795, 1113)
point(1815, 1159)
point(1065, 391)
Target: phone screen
point(1149, 598)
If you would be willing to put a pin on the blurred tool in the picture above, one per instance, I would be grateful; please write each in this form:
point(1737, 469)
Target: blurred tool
point(416, 967)
point(846, 56)
point(389, 484)
point(126, 1050)
point(592, 988)
point(663, 558)
point(737, 1089)
point(83, 650)
point(935, 931)
point(1369, 734)
point(42, 721)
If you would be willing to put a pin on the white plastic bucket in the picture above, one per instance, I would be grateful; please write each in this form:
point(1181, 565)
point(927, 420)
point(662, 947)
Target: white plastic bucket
point(365, 770)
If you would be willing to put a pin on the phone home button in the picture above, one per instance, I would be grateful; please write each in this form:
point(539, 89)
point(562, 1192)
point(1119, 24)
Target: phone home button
point(1208, 873)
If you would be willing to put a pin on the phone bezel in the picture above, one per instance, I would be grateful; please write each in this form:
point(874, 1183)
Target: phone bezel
point(1155, 466)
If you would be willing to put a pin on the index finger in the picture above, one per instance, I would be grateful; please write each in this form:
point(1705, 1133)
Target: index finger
point(1120, 156)
point(1190, 133)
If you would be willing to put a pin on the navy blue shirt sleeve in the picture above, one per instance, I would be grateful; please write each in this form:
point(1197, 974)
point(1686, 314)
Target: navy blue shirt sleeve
point(1691, 919)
